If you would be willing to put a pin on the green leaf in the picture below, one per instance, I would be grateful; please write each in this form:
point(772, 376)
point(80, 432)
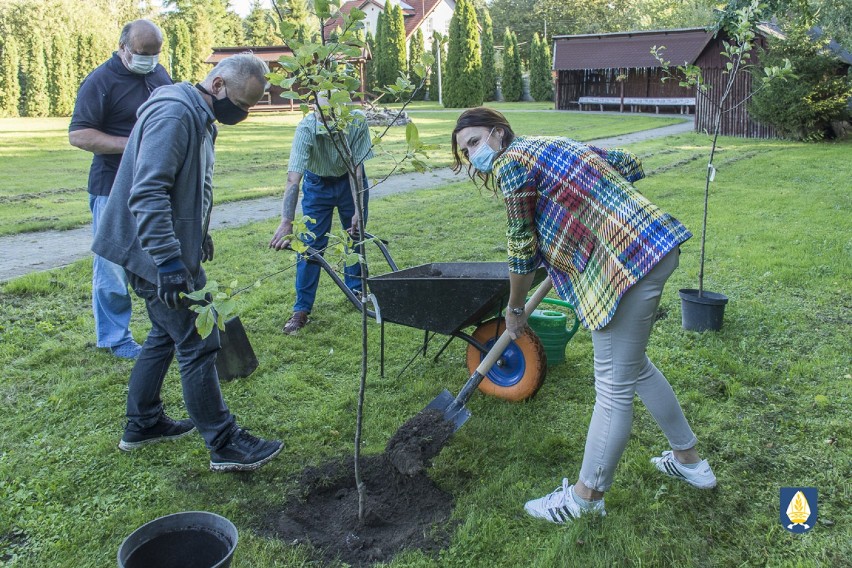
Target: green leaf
point(205, 321)
point(412, 136)
point(340, 98)
point(322, 10)
point(356, 15)
point(290, 95)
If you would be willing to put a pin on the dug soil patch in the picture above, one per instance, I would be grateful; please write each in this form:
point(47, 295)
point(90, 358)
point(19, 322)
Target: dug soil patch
point(402, 512)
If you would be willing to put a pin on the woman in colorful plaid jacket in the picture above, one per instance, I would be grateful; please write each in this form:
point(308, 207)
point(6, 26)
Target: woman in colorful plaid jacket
point(573, 209)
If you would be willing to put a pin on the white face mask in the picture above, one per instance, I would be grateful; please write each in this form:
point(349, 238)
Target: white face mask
point(142, 64)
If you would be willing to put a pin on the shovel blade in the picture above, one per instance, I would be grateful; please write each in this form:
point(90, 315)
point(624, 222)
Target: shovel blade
point(445, 402)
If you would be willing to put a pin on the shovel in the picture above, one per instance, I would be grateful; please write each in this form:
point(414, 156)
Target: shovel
point(453, 408)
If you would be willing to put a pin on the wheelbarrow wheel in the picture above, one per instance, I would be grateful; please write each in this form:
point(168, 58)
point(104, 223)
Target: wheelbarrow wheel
point(522, 367)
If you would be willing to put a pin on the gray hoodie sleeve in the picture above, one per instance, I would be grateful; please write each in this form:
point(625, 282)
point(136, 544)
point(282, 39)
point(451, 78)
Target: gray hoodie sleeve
point(163, 151)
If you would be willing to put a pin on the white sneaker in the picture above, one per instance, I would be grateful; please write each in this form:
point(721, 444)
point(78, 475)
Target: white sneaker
point(560, 507)
point(700, 476)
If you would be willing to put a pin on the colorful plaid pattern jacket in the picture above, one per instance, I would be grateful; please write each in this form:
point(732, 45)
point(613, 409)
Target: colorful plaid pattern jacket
point(573, 208)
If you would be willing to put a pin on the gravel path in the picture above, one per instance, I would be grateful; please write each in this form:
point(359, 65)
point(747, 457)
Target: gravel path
point(31, 252)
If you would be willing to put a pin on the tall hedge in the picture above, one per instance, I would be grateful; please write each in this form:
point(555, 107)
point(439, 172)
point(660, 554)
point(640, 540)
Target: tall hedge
point(433, 75)
point(87, 56)
point(415, 57)
point(464, 64)
point(489, 73)
point(511, 85)
point(36, 101)
point(541, 79)
point(61, 78)
point(182, 52)
point(370, 66)
point(393, 60)
point(10, 85)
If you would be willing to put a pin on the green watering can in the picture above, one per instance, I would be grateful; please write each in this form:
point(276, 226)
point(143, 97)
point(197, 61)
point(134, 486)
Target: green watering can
point(552, 328)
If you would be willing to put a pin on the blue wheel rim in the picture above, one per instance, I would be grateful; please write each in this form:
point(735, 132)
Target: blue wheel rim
point(513, 368)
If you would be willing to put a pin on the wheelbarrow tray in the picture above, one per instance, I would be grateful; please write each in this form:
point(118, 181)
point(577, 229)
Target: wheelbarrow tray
point(443, 297)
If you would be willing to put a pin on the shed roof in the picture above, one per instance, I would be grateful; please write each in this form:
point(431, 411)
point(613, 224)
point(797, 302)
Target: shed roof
point(630, 50)
point(270, 54)
point(414, 12)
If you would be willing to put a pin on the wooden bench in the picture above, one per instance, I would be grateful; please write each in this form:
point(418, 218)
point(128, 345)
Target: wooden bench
point(637, 102)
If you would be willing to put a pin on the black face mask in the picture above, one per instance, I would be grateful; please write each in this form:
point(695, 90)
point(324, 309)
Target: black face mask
point(225, 110)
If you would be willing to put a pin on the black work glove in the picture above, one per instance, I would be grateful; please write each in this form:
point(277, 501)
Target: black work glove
point(172, 279)
point(207, 248)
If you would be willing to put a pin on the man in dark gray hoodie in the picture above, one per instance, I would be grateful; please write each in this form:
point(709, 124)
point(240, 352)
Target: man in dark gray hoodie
point(155, 226)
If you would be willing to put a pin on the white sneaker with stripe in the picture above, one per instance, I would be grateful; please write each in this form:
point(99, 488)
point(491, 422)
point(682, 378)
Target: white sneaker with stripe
point(560, 507)
point(700, 476)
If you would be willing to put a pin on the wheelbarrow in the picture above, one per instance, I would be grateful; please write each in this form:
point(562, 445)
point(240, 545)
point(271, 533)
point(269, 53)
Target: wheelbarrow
point(448, 298)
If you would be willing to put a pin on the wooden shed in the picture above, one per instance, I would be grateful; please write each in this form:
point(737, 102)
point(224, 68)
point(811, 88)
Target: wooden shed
point(621, 66)
point(272, 100)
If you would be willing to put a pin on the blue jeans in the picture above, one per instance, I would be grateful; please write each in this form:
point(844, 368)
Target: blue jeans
point(111, 303)
point(320, 195)
point(173, 333)
point(623, 370)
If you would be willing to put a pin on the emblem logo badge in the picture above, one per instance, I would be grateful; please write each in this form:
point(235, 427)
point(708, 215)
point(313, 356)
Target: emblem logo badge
point(798, 508)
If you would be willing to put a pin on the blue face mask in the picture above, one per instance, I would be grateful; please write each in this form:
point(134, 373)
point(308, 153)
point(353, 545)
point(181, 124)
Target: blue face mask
point(483, 158)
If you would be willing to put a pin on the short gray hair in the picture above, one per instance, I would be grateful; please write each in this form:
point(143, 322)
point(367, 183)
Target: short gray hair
point(130, 27)
point(240, 68)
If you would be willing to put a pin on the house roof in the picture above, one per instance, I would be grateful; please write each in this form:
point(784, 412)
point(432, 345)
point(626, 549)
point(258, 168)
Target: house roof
point(630, 50)
point(413, 12)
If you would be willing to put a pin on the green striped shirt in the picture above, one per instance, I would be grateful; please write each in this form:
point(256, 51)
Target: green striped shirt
point(313, 149)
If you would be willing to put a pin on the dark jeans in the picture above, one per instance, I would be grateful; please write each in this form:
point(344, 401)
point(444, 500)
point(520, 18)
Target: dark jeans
point(173, 333)
point(320, 196)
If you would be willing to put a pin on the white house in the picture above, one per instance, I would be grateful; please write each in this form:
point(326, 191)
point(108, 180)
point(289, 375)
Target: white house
point(427, 15)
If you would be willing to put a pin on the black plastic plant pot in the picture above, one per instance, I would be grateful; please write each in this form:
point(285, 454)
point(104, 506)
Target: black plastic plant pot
point(702, 313)
point(194, 539)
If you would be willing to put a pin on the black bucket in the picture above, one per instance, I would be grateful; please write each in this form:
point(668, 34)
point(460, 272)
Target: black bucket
point(194, 539)
point(702, 313)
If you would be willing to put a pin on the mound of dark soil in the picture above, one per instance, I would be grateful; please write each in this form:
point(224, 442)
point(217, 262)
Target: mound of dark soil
point(401, 512)
point(419, 440)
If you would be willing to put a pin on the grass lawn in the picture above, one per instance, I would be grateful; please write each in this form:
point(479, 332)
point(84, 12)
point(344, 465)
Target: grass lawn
point(768, 396)
point(43, 178)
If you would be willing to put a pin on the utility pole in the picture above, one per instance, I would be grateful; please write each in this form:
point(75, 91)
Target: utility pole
point(440, 90)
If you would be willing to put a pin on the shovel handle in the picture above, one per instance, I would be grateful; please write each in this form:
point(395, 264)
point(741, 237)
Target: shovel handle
point(503, 342)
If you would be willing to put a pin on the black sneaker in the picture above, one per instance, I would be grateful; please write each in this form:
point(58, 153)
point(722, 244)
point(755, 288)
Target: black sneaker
point(164, 429)
point(244, 452)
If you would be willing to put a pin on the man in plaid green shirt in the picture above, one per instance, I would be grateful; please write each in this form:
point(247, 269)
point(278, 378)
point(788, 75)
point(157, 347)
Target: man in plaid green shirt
point(326, 186)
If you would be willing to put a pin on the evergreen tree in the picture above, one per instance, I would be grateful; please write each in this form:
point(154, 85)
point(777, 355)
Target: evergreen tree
point(541, 78)
point(433, 75)
point(182, 52)
point(415, 57)
point(511, 84)
point(393, 61)
point(464, 64)
point(300, 15)
point(202, 37)
point(376, 64)
point(489, 74)
point(35, 92)
point(233, 32)
point(166, 50)
point(260, 29)
point(61, 77)
point(370, 66)
point(86, 56)
point(10, 85)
